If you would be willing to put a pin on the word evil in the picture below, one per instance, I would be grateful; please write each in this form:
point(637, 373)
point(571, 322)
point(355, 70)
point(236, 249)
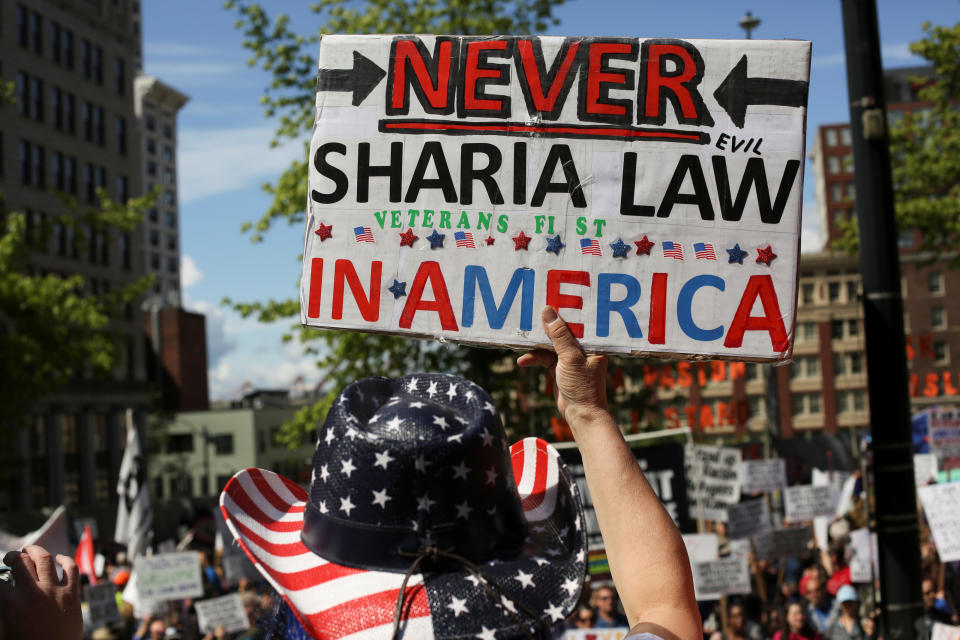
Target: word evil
point(431, 279)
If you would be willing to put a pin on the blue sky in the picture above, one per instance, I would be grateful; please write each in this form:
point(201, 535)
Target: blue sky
point(224, 153)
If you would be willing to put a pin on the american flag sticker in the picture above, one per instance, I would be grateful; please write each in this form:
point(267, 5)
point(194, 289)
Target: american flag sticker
point(590, 247)
point(363, 234)
point(464, 239)
point(704, 251)
point(673, 250)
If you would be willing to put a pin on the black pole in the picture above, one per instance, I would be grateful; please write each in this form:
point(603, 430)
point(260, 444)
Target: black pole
point(895, 493)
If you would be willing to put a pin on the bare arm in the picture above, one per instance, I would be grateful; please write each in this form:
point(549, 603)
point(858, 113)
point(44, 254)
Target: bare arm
point(647, 557)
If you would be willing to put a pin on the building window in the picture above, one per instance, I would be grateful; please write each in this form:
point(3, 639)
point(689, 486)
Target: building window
point(941, 352)
point(853, 328)
point(836, 192)
point(848, 163)
point(154, 238)
point(808, 331)
point(22, 91)
point(836, 329)
point(845, 136)
point(935, 283)
point(121, 133)
point(123, 189)
point(68, 48)
point(171, 219)
point(56, 107)
point(806, 293)
point(123, 244)
point(23, 35)
point(831, 136)
point(86, 120)
point(152, 214)
point(119, 76)
point(167, 153)
point(180, 443)
point(839, 364)
point(852, 290)
point(856, 362)
point(167, 130)
point(171, 264)
point(151, 168)
point(851, 189)
point(24, 155)
point(833, 165)
point(36, 33)
point(98, 126)
point(843, 401)
point(55, 44)
point(169, 198)
point(98, 64)
point(56, 169)
point(88, 187)
point(181, 485)
point(168, 176)
point(86, 59)
point(103, 253)
point(59, 239)
point(155, 262)
point(223, 444)
point(171, 242)
point(149, 123)
point(805, 367)
point(833, 291)
point(69, 112)
point(39, 166)
point(36, 99)
point(938, 317)
point(151, 145)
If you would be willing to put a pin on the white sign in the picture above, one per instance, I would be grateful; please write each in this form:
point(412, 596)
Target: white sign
point(944, 632)
point(748, 518)
point(226, 611)
point(168, 576)
point(102, 604)
point(861, 556)
point(925, 468)
point(945, 432)
point(759, 476)
point(727, 575)
point(702, 547)
point(806, 502)
point(780, 543)
point(713, 484)
point(941, 504)
point(458, 184)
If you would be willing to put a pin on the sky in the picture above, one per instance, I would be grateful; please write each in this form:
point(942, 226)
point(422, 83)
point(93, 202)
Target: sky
point(224, 153)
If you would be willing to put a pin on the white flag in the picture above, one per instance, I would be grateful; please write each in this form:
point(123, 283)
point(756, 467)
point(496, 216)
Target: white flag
point(134, 516)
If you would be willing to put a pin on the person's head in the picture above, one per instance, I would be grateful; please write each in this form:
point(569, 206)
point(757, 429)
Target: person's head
point(737, 617)
point(929, 592)
point(849, 602)
point(251, 605)
point(605, 600)
point(157, 629)
point(583, 618)
point(721, 529)
point(816, 592)
point(869, 625)
point(796, 619)
point(773, 618)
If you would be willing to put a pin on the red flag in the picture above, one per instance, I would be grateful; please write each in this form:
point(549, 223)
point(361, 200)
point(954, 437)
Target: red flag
point(84, 555)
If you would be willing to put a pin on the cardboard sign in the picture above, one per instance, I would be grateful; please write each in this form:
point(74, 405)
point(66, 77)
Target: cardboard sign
point(650, 189)
point(225, 610)
point(713, 483)
point(806, 502)
point(944, 632)
point(748, 518)
point(945, 432)
point(861, 556)
point(760, 476)
point(102, 604)
point(702, 547)
point(925, 468)
point(168, 576)
point(941, 505)
point(780, 543)
point(727, 575)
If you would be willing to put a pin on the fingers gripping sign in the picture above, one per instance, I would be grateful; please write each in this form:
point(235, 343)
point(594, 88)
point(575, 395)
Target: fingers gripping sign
point(580, 378)
point(40, 604)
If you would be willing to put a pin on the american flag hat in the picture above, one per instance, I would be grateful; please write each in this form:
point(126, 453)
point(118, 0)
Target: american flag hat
point(415, 490)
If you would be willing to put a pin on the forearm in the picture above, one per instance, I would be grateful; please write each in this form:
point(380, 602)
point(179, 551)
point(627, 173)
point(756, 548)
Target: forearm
point(647, 557)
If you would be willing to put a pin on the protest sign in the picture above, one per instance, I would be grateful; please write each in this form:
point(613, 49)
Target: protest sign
point(726, 576)
point(102, 604)
point(702, 547)
point(617, 633)
point(779, 543)
point(925, 468)
point(168, 576)
point(713, 482)
point(225, 610)
point(237, 566)
point(806, 502)
point(944, 632)
point(748, 518)
point(941, 505)
point(861, 556)
point(650, 189)
point(944, 428)
point(759, 476)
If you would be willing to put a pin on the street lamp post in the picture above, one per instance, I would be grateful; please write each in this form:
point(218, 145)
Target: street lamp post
point(748, 23)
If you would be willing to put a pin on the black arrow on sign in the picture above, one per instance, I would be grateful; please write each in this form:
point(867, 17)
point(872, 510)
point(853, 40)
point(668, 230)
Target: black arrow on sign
point(737, 91)
point(361, 79)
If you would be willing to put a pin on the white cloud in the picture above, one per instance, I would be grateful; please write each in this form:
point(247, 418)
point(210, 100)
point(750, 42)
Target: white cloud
point(811, 240)
point(221, 160)
point(190, 273)
point(275, 370)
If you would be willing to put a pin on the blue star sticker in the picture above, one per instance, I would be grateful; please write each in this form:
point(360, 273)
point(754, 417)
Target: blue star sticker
point(554, 245)
point(620, 248)
point(436, 240)
point(736, 254)
point(398, 289)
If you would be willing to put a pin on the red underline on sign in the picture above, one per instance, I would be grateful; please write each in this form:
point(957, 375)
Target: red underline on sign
point(549, 130)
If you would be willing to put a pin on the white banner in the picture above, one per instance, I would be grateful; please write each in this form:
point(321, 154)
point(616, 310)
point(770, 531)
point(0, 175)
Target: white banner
point(225, 610)
point(748, 518)
point(458, 184)
point(726, 575)
point(925, 468)
point(805, 502)
point(944, 632)
point(702, 547)
point(759, 476)
point(168, 576)
point(713, 483)
point(941, 505)
point(861, 556)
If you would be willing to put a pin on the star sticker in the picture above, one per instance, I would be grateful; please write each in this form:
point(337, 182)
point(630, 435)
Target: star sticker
point(329, 437)
point(554, 245)
point(421, 464)
point(458, 606)
point(463, 510)
point(432, 389)
point(526, 579)
point(765, 256)
point(736, 254)
point(452, 392)
point(324, 231)
point(407, 238)
point(491, 476)
point(441, 422)
point(470, 395)
point(521, 241)
point(324, 473)
point(347, 468)
point(489, 240)
point(644, 245)
point(620, 248)
point(487, 438)
point(571, 585)
point(424, 503)
point(380, 498)
point(555, 612)
point(394, 423)
point(486, 634)
point(460, 471)
point(412, 386)
point(436, 240)
point(398, 289)
point(347, 506)
point(383, 459)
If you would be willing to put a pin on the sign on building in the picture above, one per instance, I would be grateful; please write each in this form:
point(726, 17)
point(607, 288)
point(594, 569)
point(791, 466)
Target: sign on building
point(649, 189)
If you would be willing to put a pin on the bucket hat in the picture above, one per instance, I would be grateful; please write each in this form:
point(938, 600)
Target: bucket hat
point(419, 514)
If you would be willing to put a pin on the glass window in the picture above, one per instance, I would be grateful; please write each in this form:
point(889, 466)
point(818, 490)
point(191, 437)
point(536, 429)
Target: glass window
point(151, 168)
point(123, 244)
point(36, 99)
point(151, 145)
point(839, 216)
point(833, 291)
point(845, 137)
point(831, 136)
point(859, 400)
point(941, 352)
point(180, 443)
point(836, 192)
point(155, 261)
point(833, 164)
point(756, 406)
point(813, 402)
point(55, 51)
point(123, 189)
point(851, 191)
point(852, 288)
point(23, 34)
point(171, 264)
point(39, 166)
point(223, 444)
point(797, 404)
point(119, 76)
point(171, 219)
point(171, 242)
point(806, 293)
point(121, 134)
point(836, 329)
point(167, 153)
point(98, 64)
point(68, 48)
point(149, 123)
point(839, 364)
point(935, 283)
point(22, 93)
point(36, 33)
point(853, 327)
point(154, 238)
point(86, 58)
point(168, 176)
point(938, 317)
point(843, 404)
point(167, 130)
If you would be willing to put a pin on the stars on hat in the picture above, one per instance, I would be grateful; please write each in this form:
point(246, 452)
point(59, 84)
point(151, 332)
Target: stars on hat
point(324, 472)
point(555, 612)
point(489, 408)
point(571, 586)
point(452, 392)
point(507, 605)
point(407, 238)
point(458, 606)
point(324, 231)
point(487, 438)
point(380, 498)
point(554, 244)
point(766, 255)
point(525, 579)
point(347, 506)
point(620, 248)
point(460, 471)
point(492, 475)
point(398, 289)
point(463, 510)
point(486, 634)
point(540, 560)
point(436, 239)
point(421, 463)
point(352, 433)
point(736, 254)
point(394, 424)
point(330, 435)
point(521, 241)
point(347, 467)
point(432, 389)
point(424, 503)
point(383, 459)
point(455, 438)
point(441, 422)
point(412, 385)
point(644, 245)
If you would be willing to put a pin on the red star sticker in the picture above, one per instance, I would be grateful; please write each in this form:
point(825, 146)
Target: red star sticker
point(520, 241)
point(644, 246)
point(765, 256)
point(324, 231)
point(489, 240)
point(407, 238)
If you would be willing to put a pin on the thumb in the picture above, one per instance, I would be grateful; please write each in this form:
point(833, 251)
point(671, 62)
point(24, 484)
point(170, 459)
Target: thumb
point(564, 342)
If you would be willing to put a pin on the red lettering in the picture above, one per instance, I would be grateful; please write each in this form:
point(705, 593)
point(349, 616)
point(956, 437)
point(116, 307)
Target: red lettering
point(316, 282)
point(701, 374)
point(691, 411)
point(528, 58)
point(432, 85)
point(671, 415)
point(657, 333)
point(706, 417)
point(473, 72)
point(684, 379)
point(600, 77)
point(657, 81)
point(666, 377)
point(948, 388)
point(758, 286)
point(722, 413)
point(343, 270)
point(429, 270)
point(650, 376)
point(718, 371)
point(557, 300)
point(931, 385)
point(738, 370)
point(926, 345)
point(914, 382)
point(911, 352)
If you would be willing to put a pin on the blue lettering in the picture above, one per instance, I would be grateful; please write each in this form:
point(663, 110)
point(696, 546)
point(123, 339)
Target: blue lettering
point(605, 305)
point(685, 307)
point(475, 277)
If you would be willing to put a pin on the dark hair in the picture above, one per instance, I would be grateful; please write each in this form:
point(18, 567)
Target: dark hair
point(806, 630)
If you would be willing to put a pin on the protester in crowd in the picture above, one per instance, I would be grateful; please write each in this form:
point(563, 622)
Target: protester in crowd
point(604, 602)
point(742, 628)
point(820, 605)
point(41, 604)
point(796, 626)
point(582, 618)
point(151, 628)
point(835, 565)
point(846, 625)
point(931, 613)
point(869, 626)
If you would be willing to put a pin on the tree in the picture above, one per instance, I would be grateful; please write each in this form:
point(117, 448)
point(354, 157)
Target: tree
point(925, 153)
point(290, 58)
point(51, 330)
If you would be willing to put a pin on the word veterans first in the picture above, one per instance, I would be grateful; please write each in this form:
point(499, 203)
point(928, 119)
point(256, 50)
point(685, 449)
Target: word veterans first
point(425, 218)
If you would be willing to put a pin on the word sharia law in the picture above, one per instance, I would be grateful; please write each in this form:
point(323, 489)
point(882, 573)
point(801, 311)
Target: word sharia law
point(648, 189)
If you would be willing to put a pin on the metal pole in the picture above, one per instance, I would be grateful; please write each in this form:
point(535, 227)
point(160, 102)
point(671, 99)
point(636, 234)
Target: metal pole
point(896, 500)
